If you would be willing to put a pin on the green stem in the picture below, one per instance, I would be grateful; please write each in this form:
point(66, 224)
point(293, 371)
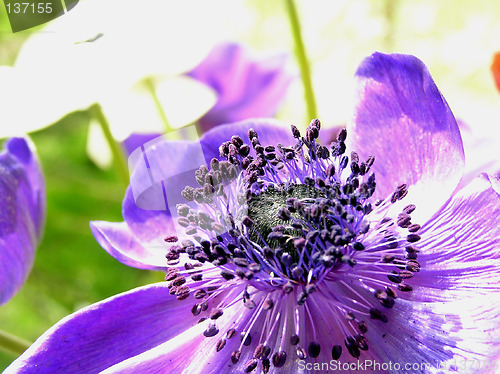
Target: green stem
point(300, 53)
point(390, 11)
point(12, 344)
point(152, 90)
point(119, 159)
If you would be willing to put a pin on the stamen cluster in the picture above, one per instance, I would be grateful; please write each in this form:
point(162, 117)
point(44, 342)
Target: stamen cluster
point(273, 225)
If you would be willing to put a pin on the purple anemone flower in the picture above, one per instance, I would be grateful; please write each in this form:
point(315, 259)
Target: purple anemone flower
point(22, 214)
point(247, 87)
point(294, 257)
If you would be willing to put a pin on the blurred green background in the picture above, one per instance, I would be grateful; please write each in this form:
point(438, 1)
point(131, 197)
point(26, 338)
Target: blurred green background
point(456, 39)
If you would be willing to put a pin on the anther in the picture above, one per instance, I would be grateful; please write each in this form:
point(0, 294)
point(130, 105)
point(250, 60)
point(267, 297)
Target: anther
point(235, 356)
point(362, 326)
point(268, 304)
point(171, 274)
point(227, 275)
point(251, 365)
point(294, 339)
point(342, 135)
point(405, 274)
point(261, 351)
point(405, 287)
point(301, 353)
point(409, 209)
point(247, 221)
point(404, 220)
point(391, 292)
point(313, 349)
point(288, 287)
point(242, 262)
point(212, 330)
point(279, 359)
point(220, 344)
point(414, 227)
point(295, 132)
point(352, 347)
point(361, 342)
point(246, 338)
point(413, 266)
point(216, 313)
point(336, 352)
point(378, 315)
point(411, 249)
point(231, 333)
point(266, 365)
point(200, 294)
point(394, 277)
point(182, 293)
point(196, 309)
point(178, 281)
point(412, 238)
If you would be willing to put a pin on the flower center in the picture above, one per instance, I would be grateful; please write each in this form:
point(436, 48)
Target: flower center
point(268, 211)
point(295, 235)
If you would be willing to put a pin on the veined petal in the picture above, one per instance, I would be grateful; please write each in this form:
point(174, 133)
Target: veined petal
point(22, 198)
point(187, 354)
point(160, 169)
point(460, 245)
point(159, 222)
point(172, 356)
point(108, 332)
point(402, 119)
point(247, 87)
point(456, 291)
point(119, 241)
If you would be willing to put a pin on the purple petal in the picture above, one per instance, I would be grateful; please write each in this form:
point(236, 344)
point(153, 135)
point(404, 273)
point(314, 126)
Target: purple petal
point(481, 154)
point(172, 357)
point(158, 222)
point(329, 134)
point(459, 246)
point(108, 332)
point(403, 120)
point(246, 87)
point(187, 354)
point(22, 198)
point(460, 271)
point(118, 240)
point(134, 141)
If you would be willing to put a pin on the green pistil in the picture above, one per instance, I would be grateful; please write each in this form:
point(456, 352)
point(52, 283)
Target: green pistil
point(301, 55)
point(264, 209)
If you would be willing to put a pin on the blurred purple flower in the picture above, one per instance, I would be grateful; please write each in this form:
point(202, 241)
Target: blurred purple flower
point(294, 256)
point(247, 87)
point(22, 214)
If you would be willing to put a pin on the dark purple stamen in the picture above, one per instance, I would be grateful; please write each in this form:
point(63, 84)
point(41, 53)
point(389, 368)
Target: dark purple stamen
point(280, 225)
